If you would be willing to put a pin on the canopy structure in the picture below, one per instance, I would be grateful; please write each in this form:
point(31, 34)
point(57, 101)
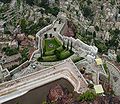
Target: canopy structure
point(98, 89)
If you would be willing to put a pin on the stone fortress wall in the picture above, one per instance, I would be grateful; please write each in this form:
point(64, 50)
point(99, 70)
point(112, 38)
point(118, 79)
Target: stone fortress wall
point(79, 47)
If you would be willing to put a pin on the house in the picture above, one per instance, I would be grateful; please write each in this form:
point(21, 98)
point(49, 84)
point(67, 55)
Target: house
point(21, 37)
point(12, 58)
point(24, 42)
point(111, 54)
point(31, 37)
point(117, 25)
point(10, 61)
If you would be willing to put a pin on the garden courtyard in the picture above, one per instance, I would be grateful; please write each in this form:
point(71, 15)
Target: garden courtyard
point(53, 50)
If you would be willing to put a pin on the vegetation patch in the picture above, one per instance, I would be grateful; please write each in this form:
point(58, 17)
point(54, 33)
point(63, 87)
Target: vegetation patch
point(53, 50)
point(87, 96)
point(49, 58)
point(24, 55)
point(118, 58)
point(105, 67)
point(77, 59)
point(101, 46)
point(10, 51)
point(65, 54)
point(51, 44)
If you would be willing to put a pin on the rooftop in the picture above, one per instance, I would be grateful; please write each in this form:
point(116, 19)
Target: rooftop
point(99, 61)
point(98, 89)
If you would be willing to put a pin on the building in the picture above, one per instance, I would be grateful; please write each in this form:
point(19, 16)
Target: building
point(10, 61)
point(4, 74)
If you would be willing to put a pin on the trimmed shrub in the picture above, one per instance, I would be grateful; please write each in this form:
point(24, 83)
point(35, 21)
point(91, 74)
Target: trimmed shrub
point(40, 59)
point(49, 58)
point(49, 53)
point(76, 59)
point(60, 49)
point(65, 54)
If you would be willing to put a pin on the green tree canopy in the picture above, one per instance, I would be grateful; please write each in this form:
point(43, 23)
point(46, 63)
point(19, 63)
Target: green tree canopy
point(87, 96)
point(87, 12)
point(118, 58)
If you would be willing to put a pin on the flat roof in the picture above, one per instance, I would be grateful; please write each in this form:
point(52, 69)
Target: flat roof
point(98, 89)
point(99, 61)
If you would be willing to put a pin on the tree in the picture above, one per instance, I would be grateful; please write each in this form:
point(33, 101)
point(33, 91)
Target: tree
point(52, 10)
point(94, 34)
point(39, 59)
point(5, 1)
point(101, 46)
point(82, 70)
point(60, 21)
point(91, 86)
point(55, 29)
point(18, 4)
point(24, 54)
point(10, 51)
point(89, 2)
point(48, 20)
point(41, 53)
point(42, 12)
point(71, 46)
point(30, 2)
point(87, 12)
point(63, 45)
point(50, 35)
point(112, 2)
point(55, 11)
point(57, 2)
point(87, 96)
point(68, 45)
point(57, 53)
point(97, 28)
point(46, 36)
point(114, 42)
point(118, 58)
point(23, 24)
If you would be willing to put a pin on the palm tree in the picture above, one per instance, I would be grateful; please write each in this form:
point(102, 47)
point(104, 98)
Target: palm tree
point(71, 46)
point(63, 44)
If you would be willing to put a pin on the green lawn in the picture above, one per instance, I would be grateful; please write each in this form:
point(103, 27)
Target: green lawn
point(51, 44)
point(65, 54)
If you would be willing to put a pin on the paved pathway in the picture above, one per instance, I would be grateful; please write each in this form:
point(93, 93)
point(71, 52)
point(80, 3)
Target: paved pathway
point(66, 69)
